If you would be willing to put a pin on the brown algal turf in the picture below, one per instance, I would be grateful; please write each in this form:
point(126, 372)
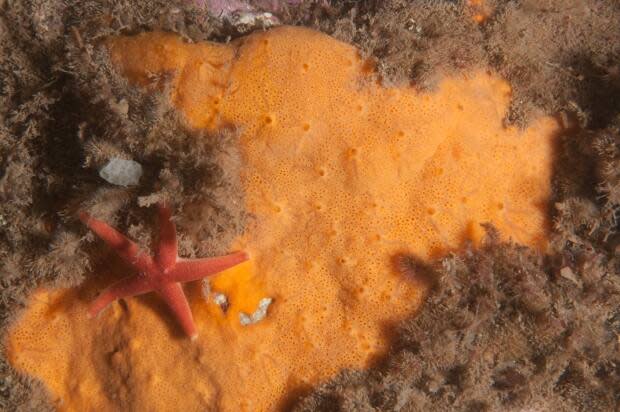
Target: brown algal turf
point(505, 328)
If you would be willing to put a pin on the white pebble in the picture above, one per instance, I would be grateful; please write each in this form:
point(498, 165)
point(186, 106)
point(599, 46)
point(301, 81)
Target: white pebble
point(121, 172)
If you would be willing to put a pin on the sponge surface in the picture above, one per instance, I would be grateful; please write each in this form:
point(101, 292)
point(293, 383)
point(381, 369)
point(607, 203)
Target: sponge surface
point(340, 174)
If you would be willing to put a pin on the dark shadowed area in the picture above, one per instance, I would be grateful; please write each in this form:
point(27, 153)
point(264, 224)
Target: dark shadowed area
point(505, 327)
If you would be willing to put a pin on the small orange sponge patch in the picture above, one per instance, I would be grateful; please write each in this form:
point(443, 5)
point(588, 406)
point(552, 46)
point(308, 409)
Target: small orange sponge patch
point(340, 174)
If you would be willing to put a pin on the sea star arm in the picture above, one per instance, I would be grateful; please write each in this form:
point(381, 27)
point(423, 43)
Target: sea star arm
point(167, 253)
point(124, 247)
point(161, 273)
point(195, 269)
point(173, 294)
point(136, 285)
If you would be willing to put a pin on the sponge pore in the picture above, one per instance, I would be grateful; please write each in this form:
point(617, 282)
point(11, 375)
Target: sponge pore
point(340, 175)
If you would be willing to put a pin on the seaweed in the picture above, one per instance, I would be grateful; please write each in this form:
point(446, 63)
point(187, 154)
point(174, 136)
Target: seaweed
point(557, 55)
point(65, 112)
point(504, 331)
point(505, 327)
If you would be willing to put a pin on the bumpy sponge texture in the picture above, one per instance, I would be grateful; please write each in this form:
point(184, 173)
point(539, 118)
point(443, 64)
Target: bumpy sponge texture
point(340, 175)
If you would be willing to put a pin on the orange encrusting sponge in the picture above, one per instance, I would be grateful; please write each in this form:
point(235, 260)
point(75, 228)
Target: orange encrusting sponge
point(340, 174)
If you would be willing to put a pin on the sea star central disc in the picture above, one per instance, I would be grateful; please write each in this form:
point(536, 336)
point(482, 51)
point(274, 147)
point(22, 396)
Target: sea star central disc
point(162, 273)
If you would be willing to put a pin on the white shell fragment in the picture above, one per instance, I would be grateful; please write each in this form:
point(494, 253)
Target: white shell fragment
point(221, 300)
point(121, 172)
point(245, 21)
point(258, 315)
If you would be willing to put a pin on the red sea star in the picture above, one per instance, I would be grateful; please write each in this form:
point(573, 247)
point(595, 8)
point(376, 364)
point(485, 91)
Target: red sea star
point(162, 273)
